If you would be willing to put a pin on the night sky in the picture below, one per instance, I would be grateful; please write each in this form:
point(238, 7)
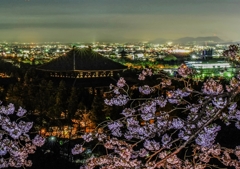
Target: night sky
point(117, 20)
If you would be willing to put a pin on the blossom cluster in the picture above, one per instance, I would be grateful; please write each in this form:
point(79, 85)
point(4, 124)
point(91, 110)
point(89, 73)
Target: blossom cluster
point(207, 136)
point(144, 73)
point(77, 149)
point(146, 89)
point(165, 82)
point(15, 143)
point(211, 87)
point(184, 70)
point(120, 97)
point(205, 154)
point(156, 131)
point(119, 100)
point(232, 52)
point(175, 97)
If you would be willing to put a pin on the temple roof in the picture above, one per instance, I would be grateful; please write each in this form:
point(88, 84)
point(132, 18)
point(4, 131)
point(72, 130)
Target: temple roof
point(85, 60)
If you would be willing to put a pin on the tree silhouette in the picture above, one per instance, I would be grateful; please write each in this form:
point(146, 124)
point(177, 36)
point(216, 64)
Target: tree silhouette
point(60, 100)
point(72, 103)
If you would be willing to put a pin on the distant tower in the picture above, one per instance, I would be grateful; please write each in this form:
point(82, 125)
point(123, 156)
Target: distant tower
point(123, 53)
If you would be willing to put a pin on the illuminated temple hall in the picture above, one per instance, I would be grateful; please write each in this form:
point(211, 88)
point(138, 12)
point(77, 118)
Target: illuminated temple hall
point(87, 70)
point(211, 68)
point(83, 66)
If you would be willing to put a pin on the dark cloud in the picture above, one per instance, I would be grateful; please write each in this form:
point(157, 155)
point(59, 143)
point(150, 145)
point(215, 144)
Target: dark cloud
point(61, 25)
point(115, 20)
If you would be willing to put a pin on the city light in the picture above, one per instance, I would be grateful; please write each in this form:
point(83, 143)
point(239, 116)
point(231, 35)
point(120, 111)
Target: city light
point(52, 138)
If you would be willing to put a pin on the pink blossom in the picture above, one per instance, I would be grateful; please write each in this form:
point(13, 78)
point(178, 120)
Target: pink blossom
point(177, 123)
point(166, 82)
point(211, 87)
point(38, 140)
point(88, 137)
point(146, 89)
point(121, 82)
point(166, 139)
point(128, 112)
point(184, 71)
point(119, 100)
point(207, 137)
point(78, 149)
point(21, 112)
point(143, 152)
point(156, 130)
point(145, 72)
point(151, 145)
point(14, 140)
point(141, 77)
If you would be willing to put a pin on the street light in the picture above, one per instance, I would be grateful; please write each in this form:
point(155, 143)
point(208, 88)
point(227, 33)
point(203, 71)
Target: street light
point(42, 132)
point(52, 138)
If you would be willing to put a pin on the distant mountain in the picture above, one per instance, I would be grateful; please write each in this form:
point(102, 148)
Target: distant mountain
point(159, 41)
point(198, 39)
point(237, 42)
point(230, 42)
point(184, 40)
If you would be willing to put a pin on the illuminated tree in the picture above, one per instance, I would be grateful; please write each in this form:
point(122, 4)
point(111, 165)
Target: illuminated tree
point(170, 58)
point(166, 126)
point(232, 53)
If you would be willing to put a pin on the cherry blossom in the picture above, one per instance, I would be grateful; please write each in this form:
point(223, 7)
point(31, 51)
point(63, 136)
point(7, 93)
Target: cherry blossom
point(167, 127)
point(144, 73)
point(15, 143)
point(119, 100)
point(128, 112)
point(211, 87)
point(151, 145)
point(184, 71)
point(121, 82)
point(146, 89)
point(232, 52)
point(77, 149)
point(206, 137)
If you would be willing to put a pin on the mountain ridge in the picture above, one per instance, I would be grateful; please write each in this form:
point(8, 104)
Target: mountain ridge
point(199, 39)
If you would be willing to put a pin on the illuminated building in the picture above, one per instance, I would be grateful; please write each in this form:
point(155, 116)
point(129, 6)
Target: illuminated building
point(212, 68)
point(82, 64)
point(206, 65)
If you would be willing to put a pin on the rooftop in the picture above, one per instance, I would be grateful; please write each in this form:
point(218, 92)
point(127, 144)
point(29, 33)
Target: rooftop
point(81, 60)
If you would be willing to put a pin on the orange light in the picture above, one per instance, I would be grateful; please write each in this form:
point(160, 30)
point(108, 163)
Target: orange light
point(151, 121)
point(43, 131)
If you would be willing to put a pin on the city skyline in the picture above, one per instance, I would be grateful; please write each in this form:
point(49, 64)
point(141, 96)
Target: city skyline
point(117, 21)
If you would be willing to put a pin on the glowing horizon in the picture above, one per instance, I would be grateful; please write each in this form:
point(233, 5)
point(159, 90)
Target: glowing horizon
point(118, 21)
